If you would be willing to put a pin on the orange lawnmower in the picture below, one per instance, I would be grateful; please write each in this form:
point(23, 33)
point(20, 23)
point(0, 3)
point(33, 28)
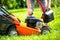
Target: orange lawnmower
point(10, 25)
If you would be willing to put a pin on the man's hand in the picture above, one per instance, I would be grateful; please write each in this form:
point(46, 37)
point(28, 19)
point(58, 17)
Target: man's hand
point(30, 12)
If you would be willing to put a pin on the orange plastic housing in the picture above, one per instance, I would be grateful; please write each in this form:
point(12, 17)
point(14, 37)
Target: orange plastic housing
point(27, 31)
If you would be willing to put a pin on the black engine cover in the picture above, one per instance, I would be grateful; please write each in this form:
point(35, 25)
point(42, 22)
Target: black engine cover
point(48, 16)
point(31, 21)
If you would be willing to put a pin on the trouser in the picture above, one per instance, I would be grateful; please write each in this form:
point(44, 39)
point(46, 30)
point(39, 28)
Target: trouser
point(44, 2)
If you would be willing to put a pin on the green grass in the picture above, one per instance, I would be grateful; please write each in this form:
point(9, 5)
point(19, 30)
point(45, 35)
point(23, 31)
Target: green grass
point(55, 25)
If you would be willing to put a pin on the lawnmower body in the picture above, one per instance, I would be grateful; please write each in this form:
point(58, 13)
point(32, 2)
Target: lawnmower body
point(24, 30)
point(7, 20)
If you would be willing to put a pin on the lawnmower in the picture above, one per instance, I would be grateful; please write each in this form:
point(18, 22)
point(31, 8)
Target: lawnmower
point(10, 25)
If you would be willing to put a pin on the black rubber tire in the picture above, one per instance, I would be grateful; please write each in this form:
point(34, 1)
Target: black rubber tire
point(45, 30)
point(12, 31)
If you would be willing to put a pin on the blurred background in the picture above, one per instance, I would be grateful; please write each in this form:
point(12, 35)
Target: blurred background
point(15, 4)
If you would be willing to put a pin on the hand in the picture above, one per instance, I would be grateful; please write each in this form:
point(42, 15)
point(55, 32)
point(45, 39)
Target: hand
point(30, 12)
point(42, 16)
point(47, 9)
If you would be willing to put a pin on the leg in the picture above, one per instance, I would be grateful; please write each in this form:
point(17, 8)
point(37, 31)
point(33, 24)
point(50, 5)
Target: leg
point(46, 4)
point(30, 6)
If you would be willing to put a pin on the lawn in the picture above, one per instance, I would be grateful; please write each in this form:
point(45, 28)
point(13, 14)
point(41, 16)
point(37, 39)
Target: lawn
point(55, 25)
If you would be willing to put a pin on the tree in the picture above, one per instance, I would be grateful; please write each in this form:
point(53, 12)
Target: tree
point(12, 4)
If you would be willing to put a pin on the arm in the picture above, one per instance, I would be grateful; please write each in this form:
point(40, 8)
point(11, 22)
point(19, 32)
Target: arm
point(48, 4)
point(28, 4)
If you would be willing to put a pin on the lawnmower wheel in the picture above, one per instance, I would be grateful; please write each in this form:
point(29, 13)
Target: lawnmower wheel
point(12, 31)
point(45, 30)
